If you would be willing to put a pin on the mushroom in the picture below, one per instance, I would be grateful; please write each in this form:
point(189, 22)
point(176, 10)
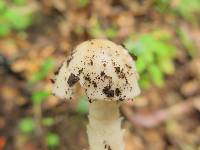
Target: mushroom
point(107, 73)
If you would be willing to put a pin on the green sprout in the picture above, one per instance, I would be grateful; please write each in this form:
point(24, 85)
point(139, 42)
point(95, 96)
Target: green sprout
point(52, 140)
point(155, 57)
point(187, 42)
point(48, 121)
point(15, 16)
point(83, 3)
point(111, 32)
point(39, 96)
point(46, 67)
point(187, 9)
point(27, 125)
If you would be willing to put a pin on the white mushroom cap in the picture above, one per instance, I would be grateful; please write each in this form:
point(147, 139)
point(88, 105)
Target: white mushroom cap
point(104, 69)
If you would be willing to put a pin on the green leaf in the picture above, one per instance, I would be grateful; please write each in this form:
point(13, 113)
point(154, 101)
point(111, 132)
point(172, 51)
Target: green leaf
point(52, 140)
point(162, 5)
point(187, 42)
point(96, 30)
point(2, 5)
point(111, 32)
point(155, 56)
point(167, 66)
point(83, 105)
point(144, 81)
point(134, 47)
point(140, 65)
point(47, 66)
point(188, 9)
point(4, 29)
point(48, 121)
point(83, 3)
point(39, 96)
point(27, 125)
point(18, 18)
point(20, 2)
point(156, 75)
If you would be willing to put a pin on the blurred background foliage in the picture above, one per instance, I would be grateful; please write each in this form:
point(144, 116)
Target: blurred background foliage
point(36, 36)
point(16, 15)
point(155, 56)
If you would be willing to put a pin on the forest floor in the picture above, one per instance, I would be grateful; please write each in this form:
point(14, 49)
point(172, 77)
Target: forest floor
point(161, 118)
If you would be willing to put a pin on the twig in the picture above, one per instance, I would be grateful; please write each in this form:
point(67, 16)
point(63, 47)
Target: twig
point(156, 118)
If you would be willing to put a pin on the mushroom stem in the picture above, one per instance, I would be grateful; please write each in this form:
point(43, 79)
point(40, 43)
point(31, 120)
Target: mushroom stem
point(104, 128)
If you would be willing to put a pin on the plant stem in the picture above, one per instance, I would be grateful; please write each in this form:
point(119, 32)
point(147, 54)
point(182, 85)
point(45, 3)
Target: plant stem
point(104, 128)
point(37, 110)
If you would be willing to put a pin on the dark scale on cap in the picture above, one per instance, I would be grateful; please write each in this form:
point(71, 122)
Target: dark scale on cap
point(57, 71)
point(122, 75)
point(114, 64)
point(123, 46)
point(117, 70)
point(116, 52)
point(121, 99)
point(104, 64)
point(134, 57)
point(80, 71)
point(108, 92)
point(117, 92)
point(52, 81)
point(72, 79)
point(69, 60)
point(90, 100)
point(120, 72)
point(109, 148)
point(102, 73)
point(128, 66)
point(94, 84)
point(91, 62)
point(87, 78)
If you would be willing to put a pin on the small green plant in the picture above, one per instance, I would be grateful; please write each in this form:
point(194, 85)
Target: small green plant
point(15, 15)
point(187, 42)
point(111, 32)
point(27, 125)
point(48, 121)
point(52, 140)
point(188, 9)
point(46, 67)
point(155, 57)
point(97, 31)
point(39, 96)
point(83, 3)
point(20, 2)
